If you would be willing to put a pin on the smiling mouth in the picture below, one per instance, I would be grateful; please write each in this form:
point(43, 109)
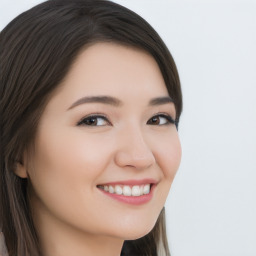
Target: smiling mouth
point(127, 190)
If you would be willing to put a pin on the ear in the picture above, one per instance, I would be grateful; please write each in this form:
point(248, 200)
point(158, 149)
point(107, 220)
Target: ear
point(20, 170)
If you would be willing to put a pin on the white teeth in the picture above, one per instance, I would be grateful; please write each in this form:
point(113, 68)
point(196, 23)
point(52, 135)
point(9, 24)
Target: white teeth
point(141, 190)
point(111, 189)
point(118, 190)
point(146, 189)
point(127, 190)
point(136, 191)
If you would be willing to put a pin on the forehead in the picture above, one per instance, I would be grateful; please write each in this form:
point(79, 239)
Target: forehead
point(116, 70)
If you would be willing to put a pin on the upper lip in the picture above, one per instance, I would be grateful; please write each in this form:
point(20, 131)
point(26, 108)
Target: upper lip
point(131, 182)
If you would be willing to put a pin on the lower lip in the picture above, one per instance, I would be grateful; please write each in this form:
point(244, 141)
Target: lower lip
point(134, 200)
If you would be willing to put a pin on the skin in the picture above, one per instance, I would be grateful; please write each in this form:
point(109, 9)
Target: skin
point(72, 216)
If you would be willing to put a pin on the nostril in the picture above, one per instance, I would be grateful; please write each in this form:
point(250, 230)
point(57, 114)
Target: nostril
point(131, 159)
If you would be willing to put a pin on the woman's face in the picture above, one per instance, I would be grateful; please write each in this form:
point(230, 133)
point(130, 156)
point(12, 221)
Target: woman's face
point(108, 126)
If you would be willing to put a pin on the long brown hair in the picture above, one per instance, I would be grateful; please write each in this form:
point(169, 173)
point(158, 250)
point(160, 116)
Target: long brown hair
point(37, 49)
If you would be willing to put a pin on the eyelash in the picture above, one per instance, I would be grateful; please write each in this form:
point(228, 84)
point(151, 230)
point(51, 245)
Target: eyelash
point(82, 122)
point(166, 116)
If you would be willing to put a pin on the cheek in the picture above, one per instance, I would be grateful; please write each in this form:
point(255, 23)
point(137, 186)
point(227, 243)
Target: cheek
point(66, 167)
point(168, 153)
point(168, 156)
point(71, 154)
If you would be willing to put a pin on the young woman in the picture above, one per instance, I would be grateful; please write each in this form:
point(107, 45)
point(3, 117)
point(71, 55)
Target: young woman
point(90, 105)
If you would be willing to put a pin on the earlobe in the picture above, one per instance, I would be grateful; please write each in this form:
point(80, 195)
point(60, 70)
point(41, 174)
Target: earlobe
point(20, 170)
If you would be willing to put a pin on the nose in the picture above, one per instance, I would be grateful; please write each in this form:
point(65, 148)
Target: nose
point(133, 151)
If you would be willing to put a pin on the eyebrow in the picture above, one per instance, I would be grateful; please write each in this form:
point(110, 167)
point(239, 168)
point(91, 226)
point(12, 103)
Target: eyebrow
point(116, 102)
point(160, 101)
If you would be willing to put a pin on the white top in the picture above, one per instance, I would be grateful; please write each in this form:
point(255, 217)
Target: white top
point(3, 250)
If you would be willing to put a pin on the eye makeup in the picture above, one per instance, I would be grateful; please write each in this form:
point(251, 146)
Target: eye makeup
point(94, 120)
point(101, 120)
point(158, 120)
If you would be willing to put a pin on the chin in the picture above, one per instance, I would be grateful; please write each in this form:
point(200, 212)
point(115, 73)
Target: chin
point(134, 232)
point(137, 234)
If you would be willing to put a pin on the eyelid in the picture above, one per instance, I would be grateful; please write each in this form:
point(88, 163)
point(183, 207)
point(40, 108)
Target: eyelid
point(95, 115)
point(169, 118)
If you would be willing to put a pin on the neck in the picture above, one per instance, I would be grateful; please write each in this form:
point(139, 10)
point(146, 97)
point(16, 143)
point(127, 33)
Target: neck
point(88, 245)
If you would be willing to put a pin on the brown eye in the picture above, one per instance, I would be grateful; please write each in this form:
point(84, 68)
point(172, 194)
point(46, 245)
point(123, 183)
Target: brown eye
point(94, 121)
point(160, 120)
point(155, 120)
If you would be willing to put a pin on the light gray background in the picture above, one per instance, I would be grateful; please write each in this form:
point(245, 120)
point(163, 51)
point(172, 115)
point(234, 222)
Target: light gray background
point(211, 209)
